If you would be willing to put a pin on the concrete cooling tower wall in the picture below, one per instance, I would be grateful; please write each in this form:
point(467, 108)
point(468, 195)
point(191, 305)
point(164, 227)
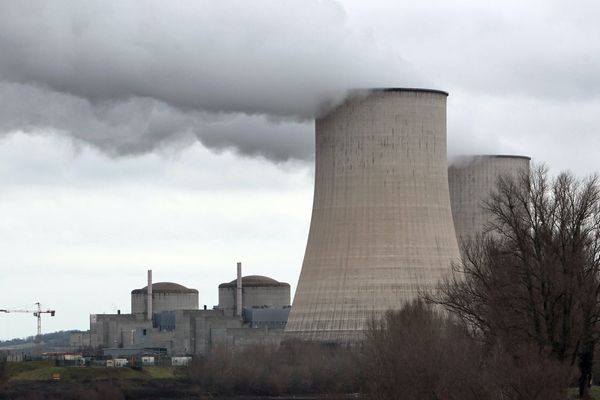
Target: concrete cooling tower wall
point(381, 225)
point(471, 181)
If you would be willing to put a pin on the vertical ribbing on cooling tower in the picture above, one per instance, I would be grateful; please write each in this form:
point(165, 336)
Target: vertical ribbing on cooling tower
point(381, 225)
point(472, 180)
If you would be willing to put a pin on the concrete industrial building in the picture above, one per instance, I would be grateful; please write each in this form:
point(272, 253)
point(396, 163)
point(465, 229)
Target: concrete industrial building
point(166, 296)
point(257, 292)
point(381, 226)
point(175, 326)
point(471, 180)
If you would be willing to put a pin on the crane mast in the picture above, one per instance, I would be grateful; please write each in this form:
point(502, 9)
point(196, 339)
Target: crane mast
point(38, 314)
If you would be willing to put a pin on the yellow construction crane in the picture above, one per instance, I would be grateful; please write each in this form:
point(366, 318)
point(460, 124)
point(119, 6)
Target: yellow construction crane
point(38, 314)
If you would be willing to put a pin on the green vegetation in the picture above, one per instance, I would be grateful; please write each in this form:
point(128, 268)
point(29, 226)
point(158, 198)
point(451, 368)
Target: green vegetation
point(50, 340)
point(163, 372)
point(595, 393)
point(43, 370)
point(292, 369)
point(300, 369)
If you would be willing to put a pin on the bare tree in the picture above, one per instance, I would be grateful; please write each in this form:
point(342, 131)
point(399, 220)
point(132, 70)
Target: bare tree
point(419, 352)
point(532, 278)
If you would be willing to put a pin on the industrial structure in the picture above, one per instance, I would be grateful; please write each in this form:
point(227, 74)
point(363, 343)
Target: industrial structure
point(166, 319)
point(162, 296)
point(388, 214)
point(472, 180)
point(381, 227)
point(259, 291)
point(38, 314)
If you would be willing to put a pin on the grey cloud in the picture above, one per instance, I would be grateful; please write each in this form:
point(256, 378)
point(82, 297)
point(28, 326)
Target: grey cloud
point(256, 136)
point(136, 75)
point(140, 125)
point(130, 126)
point(546, 50)
point(128, 77)
point(564, 134)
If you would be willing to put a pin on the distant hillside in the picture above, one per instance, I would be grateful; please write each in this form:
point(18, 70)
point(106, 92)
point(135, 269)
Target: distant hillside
point(51, 340)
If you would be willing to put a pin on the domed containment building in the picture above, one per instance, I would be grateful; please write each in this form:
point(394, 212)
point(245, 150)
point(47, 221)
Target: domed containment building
point(472, 180)
point(257, 292)
point(165, 319)
point(381, 226)
point(166, 296)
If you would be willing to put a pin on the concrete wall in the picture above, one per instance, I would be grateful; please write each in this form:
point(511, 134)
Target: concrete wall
point(164, 301)
point(381, 225)
point(211, 331)
point(115, 330)
point(241, 339)
point(266, 317)
point(79, 340)
point(471, 181)
point(197, 332)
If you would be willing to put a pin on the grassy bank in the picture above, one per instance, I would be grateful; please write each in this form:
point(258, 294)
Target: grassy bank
point(43, 370)
point(595, 393)
point(32, 380)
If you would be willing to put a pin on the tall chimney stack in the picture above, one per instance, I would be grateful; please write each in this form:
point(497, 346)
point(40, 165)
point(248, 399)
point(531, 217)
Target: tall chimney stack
point(238, 303)
point(149, 295)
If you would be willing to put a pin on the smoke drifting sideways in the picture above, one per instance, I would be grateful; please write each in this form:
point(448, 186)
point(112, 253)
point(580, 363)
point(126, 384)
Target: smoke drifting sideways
point(129, 77)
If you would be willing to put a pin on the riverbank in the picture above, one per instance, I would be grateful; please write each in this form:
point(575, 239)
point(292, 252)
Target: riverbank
point(130, 389)
point(34, 380)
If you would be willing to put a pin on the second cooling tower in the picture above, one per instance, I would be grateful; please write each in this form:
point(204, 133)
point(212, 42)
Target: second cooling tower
point(381, 227)
point(472, 179)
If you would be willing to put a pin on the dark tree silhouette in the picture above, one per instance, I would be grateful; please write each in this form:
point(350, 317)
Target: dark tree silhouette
point(532, 277)
point(421, 353)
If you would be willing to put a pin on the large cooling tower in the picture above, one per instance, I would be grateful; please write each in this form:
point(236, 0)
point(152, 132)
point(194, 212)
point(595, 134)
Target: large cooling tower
point(381, 225)
point(471, 180)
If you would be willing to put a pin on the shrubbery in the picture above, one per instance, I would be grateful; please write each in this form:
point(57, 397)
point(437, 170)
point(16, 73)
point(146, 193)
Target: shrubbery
point(2, 370)
point(418, 352)
point(421, 353)
point(293, 368)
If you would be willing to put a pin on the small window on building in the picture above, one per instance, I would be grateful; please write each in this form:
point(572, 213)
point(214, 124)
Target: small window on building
point(144, 332)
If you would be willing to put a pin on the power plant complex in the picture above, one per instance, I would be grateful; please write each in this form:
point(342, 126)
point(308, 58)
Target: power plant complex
point(388, 215)
point(165, 319)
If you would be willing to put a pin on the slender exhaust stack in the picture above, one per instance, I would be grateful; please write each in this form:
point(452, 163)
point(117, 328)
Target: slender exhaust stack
point(238, 302)
point(149, 295)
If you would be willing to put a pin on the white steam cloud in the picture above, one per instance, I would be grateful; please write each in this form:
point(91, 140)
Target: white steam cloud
point(129, 76)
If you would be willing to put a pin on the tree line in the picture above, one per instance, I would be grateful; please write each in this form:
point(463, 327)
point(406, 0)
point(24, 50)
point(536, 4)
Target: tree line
point(518, 317)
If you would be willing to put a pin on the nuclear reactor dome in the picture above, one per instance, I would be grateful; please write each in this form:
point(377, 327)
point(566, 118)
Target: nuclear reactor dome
point(166, 296)
point(257, 291)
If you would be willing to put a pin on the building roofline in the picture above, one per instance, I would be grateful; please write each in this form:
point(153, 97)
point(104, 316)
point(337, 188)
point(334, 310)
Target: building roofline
point(255, 281)
point(502, 156)
point(165, 287)
point(399, 89)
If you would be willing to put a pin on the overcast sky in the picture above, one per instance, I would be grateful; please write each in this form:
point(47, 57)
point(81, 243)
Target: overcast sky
point(178, 135)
